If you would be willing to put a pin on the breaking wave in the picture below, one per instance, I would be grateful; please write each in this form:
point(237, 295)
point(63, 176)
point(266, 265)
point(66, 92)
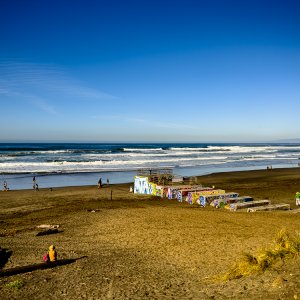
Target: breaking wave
point(47, 158)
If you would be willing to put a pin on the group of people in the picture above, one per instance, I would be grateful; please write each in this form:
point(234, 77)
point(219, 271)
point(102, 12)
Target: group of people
point(100, 183)
point(35, 185)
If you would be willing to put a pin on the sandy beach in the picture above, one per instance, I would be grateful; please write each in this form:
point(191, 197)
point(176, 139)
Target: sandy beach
point(128, 246)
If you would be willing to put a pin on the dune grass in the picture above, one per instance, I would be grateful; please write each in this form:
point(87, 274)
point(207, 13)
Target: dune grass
point(17, 284)
point(285, 246)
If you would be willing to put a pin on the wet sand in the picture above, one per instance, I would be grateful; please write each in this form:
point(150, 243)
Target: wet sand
point(142, 247)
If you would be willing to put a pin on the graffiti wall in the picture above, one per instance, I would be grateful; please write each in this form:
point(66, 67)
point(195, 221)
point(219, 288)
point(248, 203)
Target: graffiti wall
point(143, 186)
point(194, 197)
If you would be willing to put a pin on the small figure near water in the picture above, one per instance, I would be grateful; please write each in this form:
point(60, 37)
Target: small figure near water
point(33, 182)
point(5, 187)
point(35, 185)
point(107, 181)
point(100, 183)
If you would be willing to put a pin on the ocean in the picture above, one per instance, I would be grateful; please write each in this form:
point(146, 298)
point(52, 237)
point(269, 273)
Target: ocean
point(66, 164)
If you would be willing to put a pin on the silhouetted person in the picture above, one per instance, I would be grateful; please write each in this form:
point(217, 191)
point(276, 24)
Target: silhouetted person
point(34, 183)
point(99, 183)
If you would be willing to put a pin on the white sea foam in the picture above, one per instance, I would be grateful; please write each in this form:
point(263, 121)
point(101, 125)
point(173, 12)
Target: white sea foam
point(187, 149)
point(128, 158)
point(13, 167)
point(242, 149)
point(142, 149)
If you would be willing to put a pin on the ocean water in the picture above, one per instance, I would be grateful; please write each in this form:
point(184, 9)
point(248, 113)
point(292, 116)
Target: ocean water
point(66, 164)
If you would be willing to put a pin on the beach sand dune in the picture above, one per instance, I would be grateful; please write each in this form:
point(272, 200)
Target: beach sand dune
point(143, 247)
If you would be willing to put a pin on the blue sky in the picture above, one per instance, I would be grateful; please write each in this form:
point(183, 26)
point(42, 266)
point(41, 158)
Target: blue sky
point(149, 70)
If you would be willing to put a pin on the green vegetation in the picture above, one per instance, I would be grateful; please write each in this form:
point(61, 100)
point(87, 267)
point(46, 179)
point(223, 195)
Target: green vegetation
point(285, 246)
point(17, 284)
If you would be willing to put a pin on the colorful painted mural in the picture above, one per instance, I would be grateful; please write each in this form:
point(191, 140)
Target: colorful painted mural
point(191, 194)
point(194, 197)
point(207, 199)
point(143, 186)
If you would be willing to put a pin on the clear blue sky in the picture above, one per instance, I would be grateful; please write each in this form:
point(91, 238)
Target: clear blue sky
point(149, 70)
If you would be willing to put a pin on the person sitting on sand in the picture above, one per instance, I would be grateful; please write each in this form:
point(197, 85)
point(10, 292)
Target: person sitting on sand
point(52, 253)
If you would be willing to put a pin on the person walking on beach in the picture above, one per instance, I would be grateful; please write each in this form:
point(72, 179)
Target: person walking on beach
point(5, 188)
point(297, 199)
point(33, 182)
point(99, 183)
point(107, 181)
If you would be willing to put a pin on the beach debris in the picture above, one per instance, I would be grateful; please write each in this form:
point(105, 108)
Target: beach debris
point(270, 207)
point(93, 210)
point(47, 226)
point(47, 229)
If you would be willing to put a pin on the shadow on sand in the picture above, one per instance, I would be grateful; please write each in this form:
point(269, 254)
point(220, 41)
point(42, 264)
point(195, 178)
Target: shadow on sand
point(5, 254)
point(41, 266)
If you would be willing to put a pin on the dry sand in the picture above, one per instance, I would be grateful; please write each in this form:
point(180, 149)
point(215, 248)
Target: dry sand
point(142, 247)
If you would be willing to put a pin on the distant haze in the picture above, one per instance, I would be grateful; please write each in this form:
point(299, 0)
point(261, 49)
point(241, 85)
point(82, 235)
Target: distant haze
point(296, 141)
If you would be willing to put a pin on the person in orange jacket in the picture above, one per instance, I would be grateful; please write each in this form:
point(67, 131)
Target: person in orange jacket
point(52, 253)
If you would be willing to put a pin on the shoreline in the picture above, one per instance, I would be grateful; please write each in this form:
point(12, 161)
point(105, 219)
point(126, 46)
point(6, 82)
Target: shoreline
point(55, 180)
point(277, 185)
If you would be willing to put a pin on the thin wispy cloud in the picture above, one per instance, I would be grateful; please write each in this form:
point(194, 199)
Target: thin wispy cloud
point(153, 123)
point(145, 122)
point(105, 117)
point(136, 120)
point(42, 104)
point(178, 125)
point(37, 83)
